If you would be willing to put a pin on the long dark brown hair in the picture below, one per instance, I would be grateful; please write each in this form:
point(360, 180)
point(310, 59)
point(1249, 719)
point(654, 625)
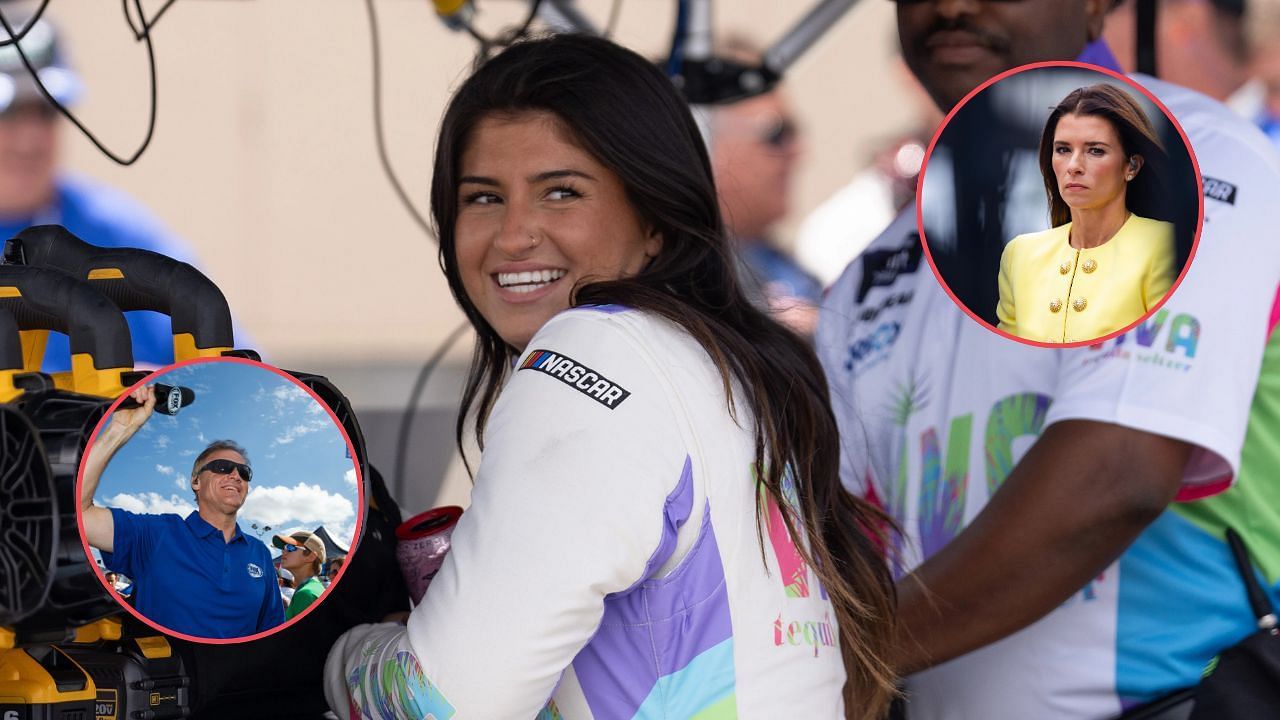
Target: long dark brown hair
point(1145, 193)
point(622, 110)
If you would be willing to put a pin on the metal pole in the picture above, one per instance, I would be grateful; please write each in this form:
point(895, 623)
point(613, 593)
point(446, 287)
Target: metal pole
point(805, 33)
point(698, 43)
point(1146, 40)
point(564, 16)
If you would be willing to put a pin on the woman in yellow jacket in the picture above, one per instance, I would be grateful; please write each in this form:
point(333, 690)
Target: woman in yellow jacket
point(1101, 266)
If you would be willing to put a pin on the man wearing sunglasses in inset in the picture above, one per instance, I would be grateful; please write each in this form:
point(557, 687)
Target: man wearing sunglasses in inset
point(200, 575)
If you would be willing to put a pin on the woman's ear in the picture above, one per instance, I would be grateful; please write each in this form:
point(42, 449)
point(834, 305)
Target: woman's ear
point(1135, 164)
point(653, 243)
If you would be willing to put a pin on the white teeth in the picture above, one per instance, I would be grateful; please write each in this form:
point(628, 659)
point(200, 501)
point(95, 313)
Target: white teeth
point(529, 281)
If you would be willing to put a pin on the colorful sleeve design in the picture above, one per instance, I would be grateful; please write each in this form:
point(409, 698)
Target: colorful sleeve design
point(385, 680)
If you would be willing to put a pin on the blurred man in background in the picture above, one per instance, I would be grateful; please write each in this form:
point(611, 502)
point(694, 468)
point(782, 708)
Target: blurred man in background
point(33, 191)
point(755, 144)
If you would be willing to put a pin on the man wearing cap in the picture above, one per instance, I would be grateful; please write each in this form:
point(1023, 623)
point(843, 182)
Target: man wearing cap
point(302, 553)
point(1048, 571)
point(34, 192)
point(198, 575)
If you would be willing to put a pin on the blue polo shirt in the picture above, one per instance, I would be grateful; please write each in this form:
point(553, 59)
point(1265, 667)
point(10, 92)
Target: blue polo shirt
point(188, 579)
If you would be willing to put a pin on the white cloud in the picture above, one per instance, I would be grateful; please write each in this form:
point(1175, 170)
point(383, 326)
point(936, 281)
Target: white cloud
point(150, 503)
point(342, 533)
point(283, 396)
point(162, 442)
point(297, 430)
point(350, 477)
point(164, 469)
point(308, 504)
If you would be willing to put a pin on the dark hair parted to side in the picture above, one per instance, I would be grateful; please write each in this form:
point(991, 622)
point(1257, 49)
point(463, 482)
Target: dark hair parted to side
point(624, 112)
point(1146, 192)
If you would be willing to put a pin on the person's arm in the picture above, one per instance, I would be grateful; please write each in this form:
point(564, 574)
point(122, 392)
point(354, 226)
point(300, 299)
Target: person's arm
point(99, 529)
point(1077, 499)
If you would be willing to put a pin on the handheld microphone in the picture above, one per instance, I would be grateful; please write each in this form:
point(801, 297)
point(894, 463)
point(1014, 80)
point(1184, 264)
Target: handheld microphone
point(169, 399)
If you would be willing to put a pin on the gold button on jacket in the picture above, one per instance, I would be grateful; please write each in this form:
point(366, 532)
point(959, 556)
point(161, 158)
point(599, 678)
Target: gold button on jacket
point(1107, 287)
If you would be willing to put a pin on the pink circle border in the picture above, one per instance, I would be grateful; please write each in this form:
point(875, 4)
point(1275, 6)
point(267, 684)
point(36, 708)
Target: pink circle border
point(1195, 163)
point(360, 496)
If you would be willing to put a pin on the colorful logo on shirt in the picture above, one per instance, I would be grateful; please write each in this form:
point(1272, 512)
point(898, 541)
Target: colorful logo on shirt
point(945, 475)
point(797, 581)
point(577, 376)
point(254, 571)
point(1164, 340)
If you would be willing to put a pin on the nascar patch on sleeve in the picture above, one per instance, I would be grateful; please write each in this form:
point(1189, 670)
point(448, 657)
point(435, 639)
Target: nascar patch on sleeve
point(577, 376)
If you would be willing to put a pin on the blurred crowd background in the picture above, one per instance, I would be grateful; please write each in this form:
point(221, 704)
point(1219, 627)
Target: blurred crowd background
point(264, 161)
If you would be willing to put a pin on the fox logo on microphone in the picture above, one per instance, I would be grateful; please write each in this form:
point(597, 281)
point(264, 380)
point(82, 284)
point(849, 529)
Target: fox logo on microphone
point(173, 402)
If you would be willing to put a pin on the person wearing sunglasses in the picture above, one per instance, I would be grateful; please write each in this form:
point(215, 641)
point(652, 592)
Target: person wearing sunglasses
point(302, 553)
point(198, 575)
point(755, 143)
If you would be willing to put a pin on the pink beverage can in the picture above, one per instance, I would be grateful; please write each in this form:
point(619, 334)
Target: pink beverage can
point(421, 544)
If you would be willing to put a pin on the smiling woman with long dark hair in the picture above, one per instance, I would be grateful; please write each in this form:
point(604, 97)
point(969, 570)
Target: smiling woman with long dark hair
point(1106, 261)
point(657, 527)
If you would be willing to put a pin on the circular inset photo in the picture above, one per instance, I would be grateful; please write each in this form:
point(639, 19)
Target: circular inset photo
point(219, 499)
point(1060, 204)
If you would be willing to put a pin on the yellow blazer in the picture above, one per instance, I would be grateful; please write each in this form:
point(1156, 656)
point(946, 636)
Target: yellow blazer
point(1051, 292)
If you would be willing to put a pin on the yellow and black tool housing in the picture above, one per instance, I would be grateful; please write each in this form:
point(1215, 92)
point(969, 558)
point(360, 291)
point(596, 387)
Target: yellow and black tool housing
point(134, 279)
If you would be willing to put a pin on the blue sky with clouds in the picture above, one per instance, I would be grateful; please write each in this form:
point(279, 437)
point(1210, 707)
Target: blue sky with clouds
point(302, 477)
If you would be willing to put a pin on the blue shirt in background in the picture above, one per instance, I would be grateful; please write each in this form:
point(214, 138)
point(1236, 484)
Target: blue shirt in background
point(188, 579)
point(778, 274)
point(103, 216)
